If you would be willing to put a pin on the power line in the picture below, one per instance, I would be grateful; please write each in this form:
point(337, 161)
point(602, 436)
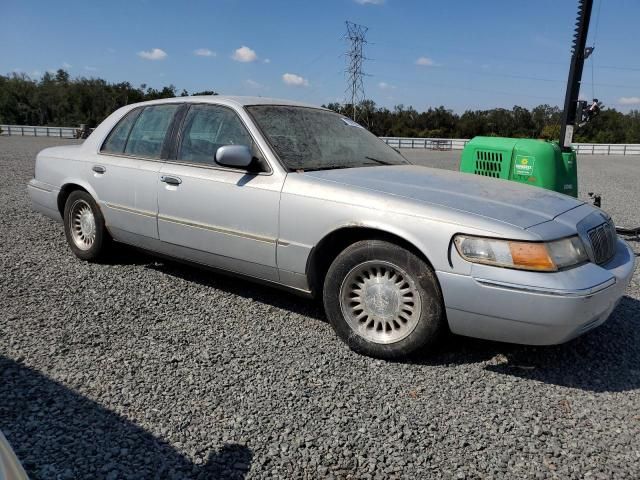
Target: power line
point(593, 46)
point(354, 93)
point(450, 86)
point(505, 59)
point(595, 33)
point(490, 73)
point(614, 67)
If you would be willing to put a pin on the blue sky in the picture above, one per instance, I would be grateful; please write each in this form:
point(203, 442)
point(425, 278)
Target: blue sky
point(463, 54)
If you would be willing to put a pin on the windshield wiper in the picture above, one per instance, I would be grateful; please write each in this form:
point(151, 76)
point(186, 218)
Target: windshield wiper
point(339, 166)
point(325, 167)
point(381, 162)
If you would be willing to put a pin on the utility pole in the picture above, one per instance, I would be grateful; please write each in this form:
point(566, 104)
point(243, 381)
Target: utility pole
point(354, 93)
point(578, 56)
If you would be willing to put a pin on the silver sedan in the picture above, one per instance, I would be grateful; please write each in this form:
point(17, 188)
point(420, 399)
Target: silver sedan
point(306, 199)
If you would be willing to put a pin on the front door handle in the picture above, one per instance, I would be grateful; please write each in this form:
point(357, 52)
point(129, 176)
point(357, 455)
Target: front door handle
point(99, 169)
point(169, 180)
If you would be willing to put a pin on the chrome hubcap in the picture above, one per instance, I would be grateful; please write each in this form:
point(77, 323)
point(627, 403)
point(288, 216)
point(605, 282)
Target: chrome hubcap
point(83, 225)
point(380, 301)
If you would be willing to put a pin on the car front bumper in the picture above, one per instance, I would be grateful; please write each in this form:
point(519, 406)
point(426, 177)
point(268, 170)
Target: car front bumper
point(535, 308)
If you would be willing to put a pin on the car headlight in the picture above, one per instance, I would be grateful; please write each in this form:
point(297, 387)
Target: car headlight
point(538, 256)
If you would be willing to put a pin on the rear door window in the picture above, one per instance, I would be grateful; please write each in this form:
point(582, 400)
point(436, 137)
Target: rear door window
point(148, 133)
point(117, 139)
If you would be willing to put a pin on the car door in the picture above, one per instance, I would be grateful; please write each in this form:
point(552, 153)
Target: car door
point(223, 217)
point(125, 172)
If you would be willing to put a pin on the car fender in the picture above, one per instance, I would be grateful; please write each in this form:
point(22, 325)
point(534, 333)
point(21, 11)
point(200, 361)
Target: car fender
point(371, 224)
point(81, 183)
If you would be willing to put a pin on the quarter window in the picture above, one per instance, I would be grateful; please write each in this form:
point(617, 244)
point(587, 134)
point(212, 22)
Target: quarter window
point(207, 128)
point(117, 139)
point(148, 133)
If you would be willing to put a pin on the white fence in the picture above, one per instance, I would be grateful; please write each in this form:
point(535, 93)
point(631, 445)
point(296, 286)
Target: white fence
point(607, 148)
point(459, 143)
point(428, 143)
point(34, 131)
point(396, 142)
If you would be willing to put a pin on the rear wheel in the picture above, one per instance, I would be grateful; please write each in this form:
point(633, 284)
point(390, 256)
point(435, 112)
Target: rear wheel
point(383, 300)
point(84, 226)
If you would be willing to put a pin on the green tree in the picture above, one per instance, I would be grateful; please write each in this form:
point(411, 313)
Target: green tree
point(57, 99)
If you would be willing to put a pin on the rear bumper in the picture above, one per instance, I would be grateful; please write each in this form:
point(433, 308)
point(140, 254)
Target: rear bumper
point(44, 198)
point(530, 312)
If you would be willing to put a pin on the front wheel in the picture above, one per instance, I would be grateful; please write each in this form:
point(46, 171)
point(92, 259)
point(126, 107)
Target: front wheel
point(383, 300)
point(84, 226)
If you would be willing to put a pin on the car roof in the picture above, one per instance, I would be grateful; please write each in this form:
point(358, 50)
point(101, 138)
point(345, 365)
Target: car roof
point(229, 100)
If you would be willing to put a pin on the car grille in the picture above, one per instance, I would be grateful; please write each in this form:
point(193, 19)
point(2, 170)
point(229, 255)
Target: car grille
point(603, 242)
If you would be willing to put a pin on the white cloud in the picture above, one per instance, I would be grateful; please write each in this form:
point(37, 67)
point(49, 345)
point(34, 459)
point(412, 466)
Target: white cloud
point(153, 54)
point(204, 52)
point(629, 101)
point(253, 84)
point(386, 86)
point(245, 55)
point(90, 69)
point(295, 80)
point(66, 65)
point(370, 2)
point(267, 60)
point(35, 73)
point(425, 62)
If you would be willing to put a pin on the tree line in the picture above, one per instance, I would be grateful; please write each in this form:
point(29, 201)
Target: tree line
point(543, 121)
point(58, 100)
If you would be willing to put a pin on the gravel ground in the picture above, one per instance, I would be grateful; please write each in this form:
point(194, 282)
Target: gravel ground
point(142, 368)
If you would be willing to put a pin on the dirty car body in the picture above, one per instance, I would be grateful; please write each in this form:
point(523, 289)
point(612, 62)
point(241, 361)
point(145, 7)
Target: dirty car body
point(318, 183)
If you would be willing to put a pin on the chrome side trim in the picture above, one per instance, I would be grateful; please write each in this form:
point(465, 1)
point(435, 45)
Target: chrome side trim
point(291, 243)
point(145, 213)
point(37, 186)
point(213, 228)
point(187, 164)
point(219, 168)
point(167, 250)
point(584, 292)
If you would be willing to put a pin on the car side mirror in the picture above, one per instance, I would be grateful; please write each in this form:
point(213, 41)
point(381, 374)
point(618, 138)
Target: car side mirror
point(234, 156)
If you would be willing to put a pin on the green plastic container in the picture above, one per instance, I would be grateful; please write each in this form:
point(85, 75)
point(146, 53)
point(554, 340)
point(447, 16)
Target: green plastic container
point(534, 162)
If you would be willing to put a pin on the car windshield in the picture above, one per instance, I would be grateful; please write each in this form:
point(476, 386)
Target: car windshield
point(314, 139)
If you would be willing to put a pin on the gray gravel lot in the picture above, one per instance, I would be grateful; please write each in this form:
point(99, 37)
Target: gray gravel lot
point(143, 368)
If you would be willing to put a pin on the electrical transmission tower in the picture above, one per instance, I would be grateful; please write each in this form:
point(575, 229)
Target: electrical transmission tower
point(354, 93)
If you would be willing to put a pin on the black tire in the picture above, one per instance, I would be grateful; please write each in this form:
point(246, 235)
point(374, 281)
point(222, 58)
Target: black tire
point(101, 242)
point(427, 325)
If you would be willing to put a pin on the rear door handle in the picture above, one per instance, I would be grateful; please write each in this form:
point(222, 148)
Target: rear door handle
point(169, 180)
point(99, 169)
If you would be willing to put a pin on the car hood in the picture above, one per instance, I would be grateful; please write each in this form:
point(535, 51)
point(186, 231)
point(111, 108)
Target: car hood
point(510, 202)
